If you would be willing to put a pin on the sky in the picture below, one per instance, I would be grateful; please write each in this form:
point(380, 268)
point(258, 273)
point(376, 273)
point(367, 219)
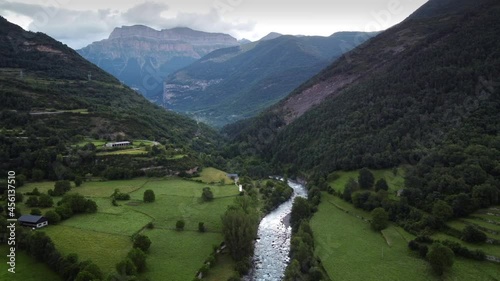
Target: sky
point(78, 23)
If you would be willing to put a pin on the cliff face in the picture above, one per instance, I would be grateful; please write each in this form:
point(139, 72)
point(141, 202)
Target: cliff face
point(142, 57)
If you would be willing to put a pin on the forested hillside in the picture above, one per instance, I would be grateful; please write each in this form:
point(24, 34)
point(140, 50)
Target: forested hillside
point(51, 99)
point(239, 82)
point(413, 85)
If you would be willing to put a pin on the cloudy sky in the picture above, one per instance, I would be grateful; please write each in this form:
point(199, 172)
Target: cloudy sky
point(81, 22)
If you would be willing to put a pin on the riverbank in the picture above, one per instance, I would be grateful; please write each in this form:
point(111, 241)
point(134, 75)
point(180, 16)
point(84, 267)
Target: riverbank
point(272, 247)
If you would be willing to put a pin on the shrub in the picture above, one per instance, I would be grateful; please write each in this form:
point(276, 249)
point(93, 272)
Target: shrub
point(45, 201)
point(36, 212)
point(440, 257)
point(149, 196)
point(142, 242)
point(138, 258)
point(472, 235)
point(150, 225)
point(201, 227)
point(53, 217)
point(207, 194)
point(179, 225)
point(32, 201)
point(380, 219)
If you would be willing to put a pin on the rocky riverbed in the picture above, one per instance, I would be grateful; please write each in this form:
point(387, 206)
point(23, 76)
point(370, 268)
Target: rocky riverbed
point(273, 244)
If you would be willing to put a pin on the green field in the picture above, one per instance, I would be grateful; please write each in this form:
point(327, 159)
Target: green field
point(27, 268)
point(212, 175)
point(104, 249)
point(178, 255)
point(223, 269)
point(112, 227)
point(131, 151)
point(350, 250)
point(395, 182)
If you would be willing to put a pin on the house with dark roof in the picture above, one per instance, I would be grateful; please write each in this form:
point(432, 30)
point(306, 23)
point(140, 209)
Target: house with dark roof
point(33, 221)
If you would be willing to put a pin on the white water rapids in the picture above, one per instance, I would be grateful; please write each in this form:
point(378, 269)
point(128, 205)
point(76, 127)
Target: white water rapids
point(273, 244)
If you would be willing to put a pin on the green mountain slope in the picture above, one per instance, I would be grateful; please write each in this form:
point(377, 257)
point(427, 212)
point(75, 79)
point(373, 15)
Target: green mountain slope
point(393, 99)
point(239, 82)
point(51, 98)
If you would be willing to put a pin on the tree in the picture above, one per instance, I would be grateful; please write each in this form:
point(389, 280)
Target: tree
point(90, 206)
point(380, 219)
point(53, 217)
point(85, 276)
point(45, 201)
point(78, 181)
point(315, 274)
point(366, 179)
point(138, 257)
point(64, 210)
point(301, 210)
point(381, 185)
point(149, 196)
point(179, 225)
point(201, 227)
point(207, 194)
point(473, 235)
point(61, 187)
point(292, 272)
point(440, 257)
point(442, 210)
point(32, 201)
point(126, 267)
point(349, 188)
point(239, 229)
point(142, 242)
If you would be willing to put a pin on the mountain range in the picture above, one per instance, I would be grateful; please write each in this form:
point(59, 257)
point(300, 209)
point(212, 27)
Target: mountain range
point(142, 57)
point(238, 82)
point(407, 92)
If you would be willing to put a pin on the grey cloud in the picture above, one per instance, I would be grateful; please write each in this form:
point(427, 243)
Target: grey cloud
point(147, 13)
point(80, 28)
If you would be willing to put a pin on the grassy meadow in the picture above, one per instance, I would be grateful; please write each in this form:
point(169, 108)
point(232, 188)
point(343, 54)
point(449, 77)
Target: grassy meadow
point(394, 181)
point(112, 227)
point(212, 175)
point(344, 241)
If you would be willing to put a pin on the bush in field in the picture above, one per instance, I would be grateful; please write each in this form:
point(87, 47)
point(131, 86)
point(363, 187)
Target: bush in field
point(179, 225)
point(207, 194)
point(142, 242)
point(440, 257)
point(149, 196)
point(53, 217)
point(473, 235)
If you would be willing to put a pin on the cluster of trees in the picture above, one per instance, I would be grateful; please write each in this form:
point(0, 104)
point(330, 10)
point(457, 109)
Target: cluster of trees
point(274, 193)
point(42, 201)
point(239, 227)
point(60, 188)
point(440, 254)
point(38, 245)
point(69, 205)
point(135, 261)
point(303, 265)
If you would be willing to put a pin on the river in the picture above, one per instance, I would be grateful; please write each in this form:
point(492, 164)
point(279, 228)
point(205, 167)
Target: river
point(272, 246)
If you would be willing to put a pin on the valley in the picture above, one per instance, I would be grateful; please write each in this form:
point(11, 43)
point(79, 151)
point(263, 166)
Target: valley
point(164, 152)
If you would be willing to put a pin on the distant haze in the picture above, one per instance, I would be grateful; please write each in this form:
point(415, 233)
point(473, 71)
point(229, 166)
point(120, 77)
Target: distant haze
point(79, 23)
